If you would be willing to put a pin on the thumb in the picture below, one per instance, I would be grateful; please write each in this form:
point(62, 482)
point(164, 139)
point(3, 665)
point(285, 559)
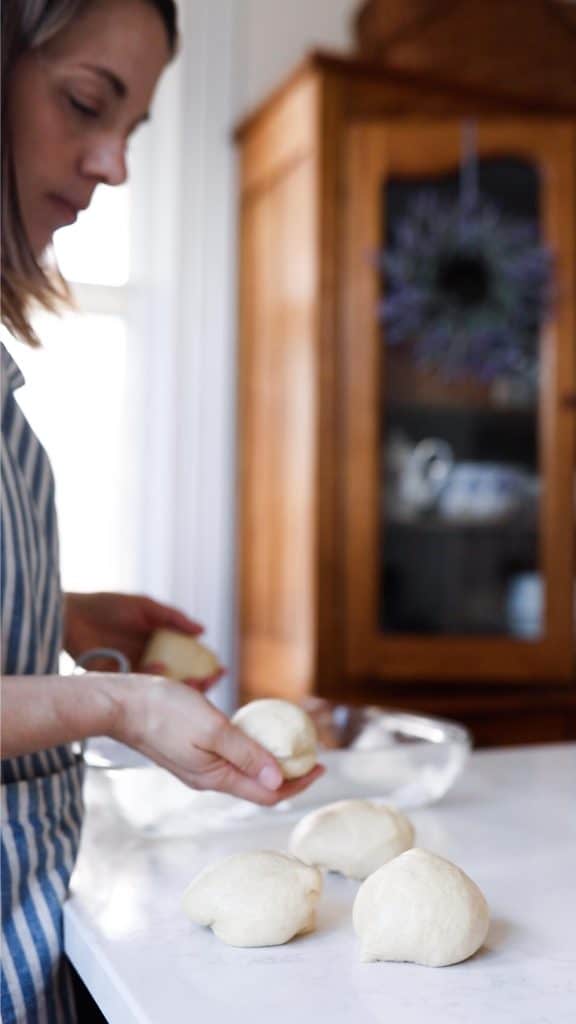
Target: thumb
point(252, 759)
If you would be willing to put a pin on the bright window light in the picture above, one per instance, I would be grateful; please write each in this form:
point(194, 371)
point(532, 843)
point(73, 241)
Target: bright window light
point(96, 250)
point(77, 399)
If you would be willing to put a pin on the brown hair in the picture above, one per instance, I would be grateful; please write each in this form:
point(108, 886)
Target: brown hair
point(27, 25)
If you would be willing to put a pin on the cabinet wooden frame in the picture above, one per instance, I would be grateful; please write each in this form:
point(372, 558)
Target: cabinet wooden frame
point(411, 147)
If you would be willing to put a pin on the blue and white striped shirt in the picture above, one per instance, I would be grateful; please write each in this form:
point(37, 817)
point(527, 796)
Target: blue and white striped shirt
point(41, 792)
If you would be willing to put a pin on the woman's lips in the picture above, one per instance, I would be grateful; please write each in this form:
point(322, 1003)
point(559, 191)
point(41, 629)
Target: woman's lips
point(67, 213)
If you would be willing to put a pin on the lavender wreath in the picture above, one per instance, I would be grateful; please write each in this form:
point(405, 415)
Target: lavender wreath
point(470, 289)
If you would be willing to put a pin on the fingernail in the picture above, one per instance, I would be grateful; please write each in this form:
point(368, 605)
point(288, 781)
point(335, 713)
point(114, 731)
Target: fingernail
point(271, 777)
point(153, 668)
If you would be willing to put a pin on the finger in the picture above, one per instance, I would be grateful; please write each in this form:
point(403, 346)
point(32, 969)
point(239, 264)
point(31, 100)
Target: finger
point(217, 676)
point(222, 778)
point(154, 668)
point(199, 685)
point(254, 761)
point(204, 684)
point(107, 665)
point(159, 668)
point(234, 782)
point(295, 786)
point(225, 778)
point(163, 615)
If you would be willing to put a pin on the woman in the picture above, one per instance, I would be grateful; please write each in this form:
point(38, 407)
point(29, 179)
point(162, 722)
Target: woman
point(78, 77)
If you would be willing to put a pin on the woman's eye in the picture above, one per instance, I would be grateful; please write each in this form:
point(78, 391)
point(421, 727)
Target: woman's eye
point(83, 108)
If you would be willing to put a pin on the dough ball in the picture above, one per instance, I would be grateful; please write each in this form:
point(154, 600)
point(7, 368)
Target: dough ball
point(259, 898)
point(183, 655)
point(420, 908)
point(354, 837)
point(285, 729)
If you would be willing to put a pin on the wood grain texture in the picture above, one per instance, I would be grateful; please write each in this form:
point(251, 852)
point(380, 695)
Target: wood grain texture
point(278, 404)
point(282, 138)
point(368, 86)
point(530, 45)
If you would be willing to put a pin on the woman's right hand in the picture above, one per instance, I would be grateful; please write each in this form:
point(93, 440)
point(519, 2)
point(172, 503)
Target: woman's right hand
point(183, 732)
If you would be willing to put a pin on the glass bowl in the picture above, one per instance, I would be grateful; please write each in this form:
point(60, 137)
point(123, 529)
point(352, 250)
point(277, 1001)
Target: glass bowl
point(396, 757)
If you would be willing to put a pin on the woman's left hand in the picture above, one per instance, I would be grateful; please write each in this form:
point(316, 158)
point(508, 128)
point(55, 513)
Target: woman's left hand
point(125, 623)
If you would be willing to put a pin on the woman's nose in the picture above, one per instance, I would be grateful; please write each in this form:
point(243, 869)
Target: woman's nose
point(105, 161)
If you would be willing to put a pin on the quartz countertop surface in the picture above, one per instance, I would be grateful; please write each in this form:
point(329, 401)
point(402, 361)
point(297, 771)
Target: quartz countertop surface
point(509, 822)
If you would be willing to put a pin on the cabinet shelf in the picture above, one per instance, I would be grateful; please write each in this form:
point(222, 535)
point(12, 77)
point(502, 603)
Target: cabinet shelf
point(445, 526)
point(397, 410)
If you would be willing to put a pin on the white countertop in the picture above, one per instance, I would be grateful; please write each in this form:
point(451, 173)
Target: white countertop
point(510, 823)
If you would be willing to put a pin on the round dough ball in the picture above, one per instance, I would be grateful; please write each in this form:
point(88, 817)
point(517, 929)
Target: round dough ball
point(285, 729)
point(183, 655)
point(420, 908)
point(259, 898)
point(354, 837)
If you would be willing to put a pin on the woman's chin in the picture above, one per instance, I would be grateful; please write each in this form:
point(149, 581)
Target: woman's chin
point(41, 243)
point(40, 236)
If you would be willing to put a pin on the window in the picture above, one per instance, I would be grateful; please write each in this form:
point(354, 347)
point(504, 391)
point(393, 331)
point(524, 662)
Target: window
point(85, 253)
point(78, 400)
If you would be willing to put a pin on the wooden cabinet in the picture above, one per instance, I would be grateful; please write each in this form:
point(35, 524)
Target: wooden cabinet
point(347, 589)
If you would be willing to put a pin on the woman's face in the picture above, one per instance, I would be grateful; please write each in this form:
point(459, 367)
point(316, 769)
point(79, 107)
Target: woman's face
point(74, 105)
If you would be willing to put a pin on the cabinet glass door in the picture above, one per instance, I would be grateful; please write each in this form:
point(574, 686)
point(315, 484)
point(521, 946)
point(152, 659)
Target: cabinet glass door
point(459, 417)
point(459, 364)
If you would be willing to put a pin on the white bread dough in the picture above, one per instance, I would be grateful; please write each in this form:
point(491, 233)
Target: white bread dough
point(259, 898)
point(184, 656)
point(354, 837)
point(285, 729)
point(420, 908)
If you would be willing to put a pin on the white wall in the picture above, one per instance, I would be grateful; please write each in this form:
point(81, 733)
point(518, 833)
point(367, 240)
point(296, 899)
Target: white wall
point(274, 35)
point(233, 53)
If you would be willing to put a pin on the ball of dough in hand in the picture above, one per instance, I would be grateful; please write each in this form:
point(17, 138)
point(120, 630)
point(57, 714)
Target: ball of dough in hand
point(354, 837)
point(284, 729)
point(183, 655)
point(420, 908)
point(259, 898)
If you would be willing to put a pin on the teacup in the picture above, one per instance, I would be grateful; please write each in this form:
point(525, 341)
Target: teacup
point(484, 491)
